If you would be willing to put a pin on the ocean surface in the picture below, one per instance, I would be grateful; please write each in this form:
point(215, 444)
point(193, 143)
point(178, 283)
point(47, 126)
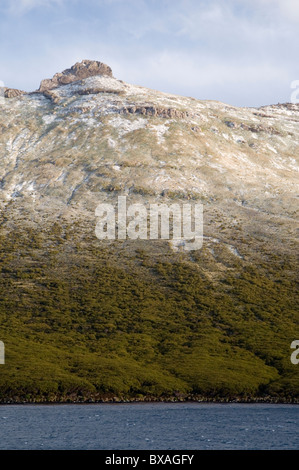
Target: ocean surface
point(158, 426)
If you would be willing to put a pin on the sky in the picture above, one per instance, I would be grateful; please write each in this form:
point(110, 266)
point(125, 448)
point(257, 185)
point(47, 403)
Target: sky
point(241, 52)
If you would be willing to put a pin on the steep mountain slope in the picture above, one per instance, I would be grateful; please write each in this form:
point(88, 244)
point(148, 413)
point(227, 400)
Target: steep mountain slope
point(88, 319)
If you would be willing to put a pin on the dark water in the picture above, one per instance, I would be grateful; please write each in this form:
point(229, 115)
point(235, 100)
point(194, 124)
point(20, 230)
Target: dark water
point(149, 426)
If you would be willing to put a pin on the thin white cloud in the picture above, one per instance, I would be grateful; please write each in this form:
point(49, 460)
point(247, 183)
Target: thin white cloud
point(289, 9)
point(19, 7)
point(254, 83)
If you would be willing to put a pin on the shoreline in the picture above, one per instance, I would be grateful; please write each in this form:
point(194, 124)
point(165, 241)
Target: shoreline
point(158, 401)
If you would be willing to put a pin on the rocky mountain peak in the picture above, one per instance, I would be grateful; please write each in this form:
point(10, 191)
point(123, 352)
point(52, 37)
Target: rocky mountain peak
point(79, 71)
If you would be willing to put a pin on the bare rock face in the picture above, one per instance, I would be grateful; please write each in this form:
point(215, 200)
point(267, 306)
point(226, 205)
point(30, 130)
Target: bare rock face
point(156, 111)
point(13, 93)
point(79, 71)
point(52, 96)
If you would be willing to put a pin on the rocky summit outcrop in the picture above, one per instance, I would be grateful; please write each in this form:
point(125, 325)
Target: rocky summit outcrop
point(13, 93)
point(79, 71)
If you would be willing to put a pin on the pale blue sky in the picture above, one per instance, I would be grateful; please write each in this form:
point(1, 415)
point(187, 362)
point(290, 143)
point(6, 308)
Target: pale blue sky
point(242, 52)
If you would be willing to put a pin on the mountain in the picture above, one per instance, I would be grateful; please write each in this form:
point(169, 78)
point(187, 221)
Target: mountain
point(88, 319)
